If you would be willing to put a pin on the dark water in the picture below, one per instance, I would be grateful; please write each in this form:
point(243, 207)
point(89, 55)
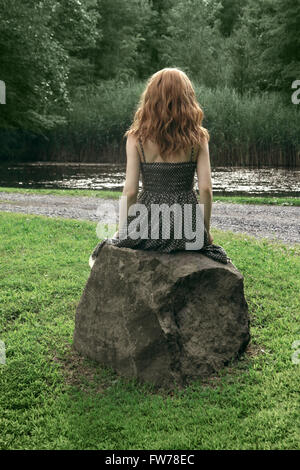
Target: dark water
point(233, 181)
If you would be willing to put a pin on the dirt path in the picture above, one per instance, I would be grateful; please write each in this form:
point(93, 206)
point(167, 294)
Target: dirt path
point(274, 222)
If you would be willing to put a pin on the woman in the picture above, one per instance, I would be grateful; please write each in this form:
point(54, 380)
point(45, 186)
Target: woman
point(167, 143)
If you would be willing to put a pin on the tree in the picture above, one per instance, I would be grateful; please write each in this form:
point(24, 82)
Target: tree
point(74, 24)
point(150, 50)
point(267, 45)
point(122, 25)
point(192, 40)
point(282, 51)
point(229, 15)
point(34, 65)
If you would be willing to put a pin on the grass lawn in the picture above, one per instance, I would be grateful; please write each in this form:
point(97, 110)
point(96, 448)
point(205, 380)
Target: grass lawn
point(52, 398)
point(285, 201)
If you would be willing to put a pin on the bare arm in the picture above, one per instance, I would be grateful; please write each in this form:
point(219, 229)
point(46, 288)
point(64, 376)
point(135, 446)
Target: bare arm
point(131, 186)
point(205, 185)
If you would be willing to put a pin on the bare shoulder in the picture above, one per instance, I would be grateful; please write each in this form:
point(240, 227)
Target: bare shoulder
point(132, 139)
point(132, 150)
point(131, 143)
point(203, 147)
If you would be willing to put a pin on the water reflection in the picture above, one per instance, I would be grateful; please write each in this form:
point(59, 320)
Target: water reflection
point(238, 181)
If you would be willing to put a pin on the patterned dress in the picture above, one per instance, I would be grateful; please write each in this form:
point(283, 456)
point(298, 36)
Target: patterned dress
point(166, 183)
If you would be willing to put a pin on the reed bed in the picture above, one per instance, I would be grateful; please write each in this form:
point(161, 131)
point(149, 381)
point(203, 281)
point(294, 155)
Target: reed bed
point(249, 130)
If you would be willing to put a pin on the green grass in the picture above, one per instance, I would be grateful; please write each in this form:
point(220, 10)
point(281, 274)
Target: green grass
point(287, 201)
point(66, 192)
point(278, 201)
point(52, 398)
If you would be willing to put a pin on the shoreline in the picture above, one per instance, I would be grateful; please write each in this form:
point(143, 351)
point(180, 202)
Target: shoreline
point(107, 194)
point(275, 222)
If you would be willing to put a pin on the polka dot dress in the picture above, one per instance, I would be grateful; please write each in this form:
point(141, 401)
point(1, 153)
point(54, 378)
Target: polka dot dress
point(173, 227)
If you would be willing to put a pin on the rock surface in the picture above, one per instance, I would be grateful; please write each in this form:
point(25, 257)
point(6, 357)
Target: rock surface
point(165, 319)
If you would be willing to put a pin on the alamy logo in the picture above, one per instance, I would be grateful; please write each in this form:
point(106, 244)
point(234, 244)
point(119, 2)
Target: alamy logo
point(296, 94)
point(2, 352)
point(296, 354)
point(2, 92)
point(146, 223)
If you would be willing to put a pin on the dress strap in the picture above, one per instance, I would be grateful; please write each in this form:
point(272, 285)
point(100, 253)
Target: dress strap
point(142, 149)
point(192, 154)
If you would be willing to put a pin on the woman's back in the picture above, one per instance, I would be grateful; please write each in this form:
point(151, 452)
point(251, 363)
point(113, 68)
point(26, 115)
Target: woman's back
point(149, 153)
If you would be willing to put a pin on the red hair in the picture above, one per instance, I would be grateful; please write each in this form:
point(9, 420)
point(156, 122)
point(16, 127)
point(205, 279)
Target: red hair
point(168, 113)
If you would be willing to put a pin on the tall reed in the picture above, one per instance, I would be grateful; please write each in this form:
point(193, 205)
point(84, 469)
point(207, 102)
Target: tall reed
point(252, 130)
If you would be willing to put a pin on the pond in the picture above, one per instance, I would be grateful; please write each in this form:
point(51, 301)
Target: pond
point(226, 181)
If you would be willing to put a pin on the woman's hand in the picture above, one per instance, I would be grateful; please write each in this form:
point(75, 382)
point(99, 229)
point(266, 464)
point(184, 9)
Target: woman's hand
point(210, 238)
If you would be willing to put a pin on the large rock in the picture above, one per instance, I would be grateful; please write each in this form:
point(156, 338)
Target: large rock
point(166, 319)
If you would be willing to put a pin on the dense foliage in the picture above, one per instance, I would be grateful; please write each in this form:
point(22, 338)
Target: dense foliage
point(53, 52)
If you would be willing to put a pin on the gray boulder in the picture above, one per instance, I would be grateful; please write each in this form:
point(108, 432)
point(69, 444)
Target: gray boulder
point(165, 319)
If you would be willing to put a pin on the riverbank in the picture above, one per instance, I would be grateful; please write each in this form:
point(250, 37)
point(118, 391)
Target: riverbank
point(275, 222)
point(281, 201)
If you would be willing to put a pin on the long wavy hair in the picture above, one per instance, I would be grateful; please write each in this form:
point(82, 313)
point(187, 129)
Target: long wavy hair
point(168, 113)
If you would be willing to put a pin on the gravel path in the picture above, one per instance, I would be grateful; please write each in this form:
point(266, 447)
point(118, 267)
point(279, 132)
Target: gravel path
point(274, 222)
